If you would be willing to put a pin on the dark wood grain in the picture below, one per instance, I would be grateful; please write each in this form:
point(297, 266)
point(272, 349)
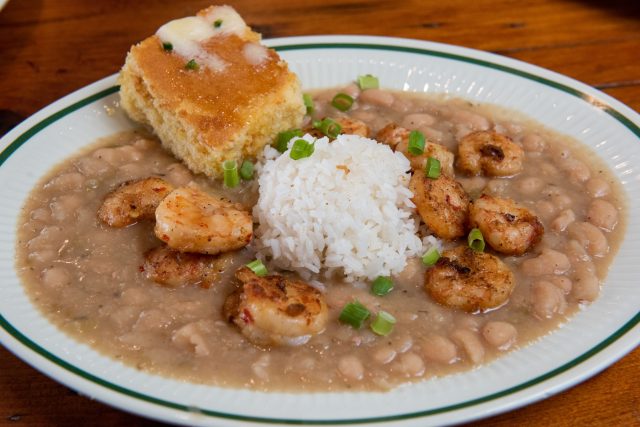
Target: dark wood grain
point(52, 47)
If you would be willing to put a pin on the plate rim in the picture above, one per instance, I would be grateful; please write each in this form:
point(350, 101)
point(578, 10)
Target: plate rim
point(76, 100)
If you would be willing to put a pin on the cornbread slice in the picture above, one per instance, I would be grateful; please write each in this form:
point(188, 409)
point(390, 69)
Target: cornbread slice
point(210, 90)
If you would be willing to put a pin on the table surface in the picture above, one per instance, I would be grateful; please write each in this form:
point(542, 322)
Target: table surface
point(52, 47)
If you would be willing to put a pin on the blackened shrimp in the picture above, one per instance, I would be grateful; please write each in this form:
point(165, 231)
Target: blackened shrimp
point(489, 153)
point(442, 204)
point(348, 126)
point(174, 269)
point(133, 201)
point(470, 281)
point(275, 309)
point(398, 138)
point(507, 227)
point(190, 220)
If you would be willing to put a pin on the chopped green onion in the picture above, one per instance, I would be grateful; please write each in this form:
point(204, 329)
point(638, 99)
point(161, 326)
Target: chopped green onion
point(368, 82)
point(416, 143)
point(383, 323)
point(230, 172)
point(167, 46)
point(258, 268)
point(283, 138)
point(476, 240)
point(431, 257)
point(328, 127)
point(191, 65)
point(354, 314)
point(301, 149)
point(308, 102)
point(217, 23)
point(342, 101)
point(382, 286)
point(432, 168)
point(246, 170)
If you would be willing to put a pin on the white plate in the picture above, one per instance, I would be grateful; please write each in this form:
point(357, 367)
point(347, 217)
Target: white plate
point(592, 340)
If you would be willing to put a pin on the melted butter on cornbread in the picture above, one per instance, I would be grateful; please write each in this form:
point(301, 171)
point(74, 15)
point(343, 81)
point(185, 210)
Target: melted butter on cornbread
point(237, 101)
point(187, 35)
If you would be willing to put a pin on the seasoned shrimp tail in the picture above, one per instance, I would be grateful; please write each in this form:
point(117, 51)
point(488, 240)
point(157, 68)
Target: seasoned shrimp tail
point(470, 281)
point(442, 204)
point(190, 220)
point(133, 201)
point(489, 153)
point(507, 227)
point(398, 138)
point(276, 309)
point(172, 268)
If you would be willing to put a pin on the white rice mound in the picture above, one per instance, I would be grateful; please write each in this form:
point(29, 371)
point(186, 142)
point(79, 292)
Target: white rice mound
point(346, 209)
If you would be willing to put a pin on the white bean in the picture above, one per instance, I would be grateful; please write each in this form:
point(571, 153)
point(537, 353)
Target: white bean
point(602, 214)
point(471, 120)
point(562, 221)
point(377, 97)
point(533, 142)
point(545, 209)
point(597, 187)
point(411, 364)
point(439, 349)
point(384, 355)
point(590, 237)
point(92, 167)
point(55, 277)
point(547, 299)
point(586, 286)
point(471, 344)
point(415, 121)
point(350, 366)
point(562, 282)
point(530, 185)
point(548, 262)
point(500, 335)
point(66, 182)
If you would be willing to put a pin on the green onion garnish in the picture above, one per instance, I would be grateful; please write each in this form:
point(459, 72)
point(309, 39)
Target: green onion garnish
point(308, 102)
point(217, 23)
point(383, 323)
point(230, 172)
point(432, 168)
point(301, 149)
point(416, 143)
point(246, 170)
point(354, 314)
point(258, 268)
point(167, 46)
point(284, 137)
point(328, 127)
point(476, 240)
point(342, 101)
point(382, 286)
point(191, 65)
point(368, 82)
point(431, 257)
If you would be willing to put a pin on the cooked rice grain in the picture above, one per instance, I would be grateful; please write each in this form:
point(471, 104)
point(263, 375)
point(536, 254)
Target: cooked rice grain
point(346, 209)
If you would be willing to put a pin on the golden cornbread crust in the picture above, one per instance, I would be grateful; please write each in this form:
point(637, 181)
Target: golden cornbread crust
point(206, 116)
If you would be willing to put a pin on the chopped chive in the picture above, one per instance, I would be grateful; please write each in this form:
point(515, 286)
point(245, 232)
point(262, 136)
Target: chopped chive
point(328, 127)
point(308, 102)
point(246, 170)
point(382, 286)
point(476, 240)
point(230, 173)
point(431, 257)
point(301, 149)
point(258, 268)
point(167, 46)
point(354, 314)
point(283, 138)
point(368, 82)
point(383, 323)
point(191, 65)
point(432, 168)
point(416, 143)
point(342, 101)
point(217, 23)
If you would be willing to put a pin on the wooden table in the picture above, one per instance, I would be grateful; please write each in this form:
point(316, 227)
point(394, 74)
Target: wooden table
point(52, 47)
